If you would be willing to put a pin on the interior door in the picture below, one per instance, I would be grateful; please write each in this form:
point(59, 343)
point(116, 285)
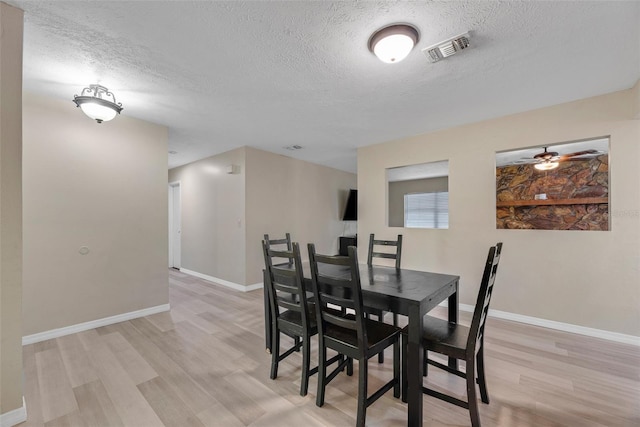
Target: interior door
point(175, 230)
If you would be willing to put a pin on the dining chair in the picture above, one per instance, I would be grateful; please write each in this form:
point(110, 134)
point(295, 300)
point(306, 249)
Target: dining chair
point(352, 335)
point(291, 313)
point(397, 256)
point(273, 242)
point(462, 343)
point(280, 242)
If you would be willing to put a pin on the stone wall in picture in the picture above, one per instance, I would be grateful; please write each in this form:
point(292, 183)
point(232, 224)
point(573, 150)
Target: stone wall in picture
point(574, 179)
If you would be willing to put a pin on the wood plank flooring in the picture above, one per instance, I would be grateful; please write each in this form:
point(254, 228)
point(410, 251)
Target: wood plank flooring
point(203, 364)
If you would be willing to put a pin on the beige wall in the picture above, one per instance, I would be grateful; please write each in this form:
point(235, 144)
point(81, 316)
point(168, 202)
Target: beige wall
point(10, 208)
point(583, 278)
point(213, 215)
point(103, 186)
point(636, 100)
point(294, 196)
point(398, 189)
point(224, 216)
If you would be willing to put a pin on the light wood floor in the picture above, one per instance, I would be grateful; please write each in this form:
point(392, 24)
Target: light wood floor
point(204, 364)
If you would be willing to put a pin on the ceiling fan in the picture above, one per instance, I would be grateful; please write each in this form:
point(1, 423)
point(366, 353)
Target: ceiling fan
point(548, 160)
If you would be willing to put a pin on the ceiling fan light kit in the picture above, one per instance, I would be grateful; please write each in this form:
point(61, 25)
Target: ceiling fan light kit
point(98, 102)
point(546, 165)
point(393, 43)
point(548, 160)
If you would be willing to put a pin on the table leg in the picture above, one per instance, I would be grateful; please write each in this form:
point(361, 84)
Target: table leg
point(453, 317)
point(267, 314)
point(414, 367)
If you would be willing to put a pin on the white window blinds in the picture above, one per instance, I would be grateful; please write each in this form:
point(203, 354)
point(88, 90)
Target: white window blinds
point(426, 210)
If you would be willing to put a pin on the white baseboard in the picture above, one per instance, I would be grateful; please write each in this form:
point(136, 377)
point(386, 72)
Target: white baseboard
point(15, 417)
point(559, 326)
point(228, 284)
point(68, 330)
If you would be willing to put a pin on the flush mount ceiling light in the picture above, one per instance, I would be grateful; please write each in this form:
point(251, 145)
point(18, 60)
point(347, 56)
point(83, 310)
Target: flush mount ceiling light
point(393, 43)
point(98, 103)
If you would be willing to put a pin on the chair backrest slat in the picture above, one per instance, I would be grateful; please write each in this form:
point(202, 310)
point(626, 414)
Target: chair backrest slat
point(481, 311)
point(339, 301)
point(340, 321)
point(334, 281)
point(279, 241)
point(383, 255)
point(342, 290)
point(333, 260)
point(397, 255)
point(283, 244)
point(280, 253)
point(285, 287)
point(286, 241)
point(283, 272)
point(285, 282)
point(289, 304)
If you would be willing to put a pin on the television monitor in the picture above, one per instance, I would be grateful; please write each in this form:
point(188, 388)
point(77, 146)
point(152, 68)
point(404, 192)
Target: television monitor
point(351, 209)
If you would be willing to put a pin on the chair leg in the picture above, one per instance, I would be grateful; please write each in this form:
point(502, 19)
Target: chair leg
point(350, 366)
point(306, 360)
point(425, 365)
point(381, 354)
point(275, 352)
point(484, 395)
point(296, 342)
point(396, 368)
point(404, 380)
point(362, 392)
point(471, 392)
point(322, 374)
point(395, 319)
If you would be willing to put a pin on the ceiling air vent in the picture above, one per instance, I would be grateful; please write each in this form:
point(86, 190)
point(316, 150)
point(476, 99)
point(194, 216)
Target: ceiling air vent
point(447, 48)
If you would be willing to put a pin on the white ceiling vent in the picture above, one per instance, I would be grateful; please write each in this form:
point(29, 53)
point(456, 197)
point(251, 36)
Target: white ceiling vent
point(447, 48)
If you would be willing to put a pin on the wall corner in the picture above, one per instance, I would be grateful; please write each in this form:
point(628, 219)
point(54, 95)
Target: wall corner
point(635, 105)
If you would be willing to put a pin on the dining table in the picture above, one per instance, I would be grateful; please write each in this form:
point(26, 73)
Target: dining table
point(411, 293)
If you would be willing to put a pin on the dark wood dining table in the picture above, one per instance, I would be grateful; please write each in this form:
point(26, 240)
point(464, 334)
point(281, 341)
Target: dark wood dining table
point(408, 292)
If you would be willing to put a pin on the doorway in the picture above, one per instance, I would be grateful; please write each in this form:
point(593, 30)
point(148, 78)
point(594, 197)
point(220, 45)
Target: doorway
point(175, 229)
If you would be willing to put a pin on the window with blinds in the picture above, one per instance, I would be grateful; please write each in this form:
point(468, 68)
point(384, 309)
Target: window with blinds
point(426, 210)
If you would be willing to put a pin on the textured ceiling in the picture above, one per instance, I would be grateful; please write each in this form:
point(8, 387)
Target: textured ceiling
point(272, 74)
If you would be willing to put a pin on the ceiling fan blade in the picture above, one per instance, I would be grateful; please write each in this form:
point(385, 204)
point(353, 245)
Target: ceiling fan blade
point(525, 161)
point(579, 153)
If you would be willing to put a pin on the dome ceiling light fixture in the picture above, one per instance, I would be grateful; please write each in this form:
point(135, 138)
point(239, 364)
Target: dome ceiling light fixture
point(393, 43)
point(98, 103)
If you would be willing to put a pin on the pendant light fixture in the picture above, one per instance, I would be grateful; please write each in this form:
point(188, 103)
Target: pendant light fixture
point(393, 43)
point(98, 103)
